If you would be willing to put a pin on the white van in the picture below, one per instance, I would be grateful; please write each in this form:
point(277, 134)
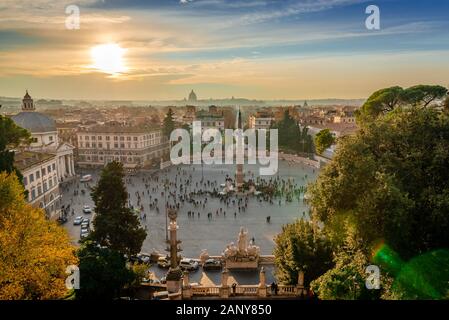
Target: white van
point(86, 178)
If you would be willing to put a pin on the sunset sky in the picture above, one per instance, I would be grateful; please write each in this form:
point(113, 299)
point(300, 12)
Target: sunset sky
point(257, 49)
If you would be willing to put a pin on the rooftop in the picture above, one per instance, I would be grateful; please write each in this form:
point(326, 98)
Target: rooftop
point(115, 128)
point(28, 159)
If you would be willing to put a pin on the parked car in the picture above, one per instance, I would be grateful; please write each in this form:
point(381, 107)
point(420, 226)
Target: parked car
point(87, 209)
point(212, 264)
point(188, 264)
point(163, 262)
point(77, 221)
point(144, 258)
point(84, 233)
point(85, 225)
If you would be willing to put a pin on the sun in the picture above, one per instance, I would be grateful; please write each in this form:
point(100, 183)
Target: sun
point(108, 58)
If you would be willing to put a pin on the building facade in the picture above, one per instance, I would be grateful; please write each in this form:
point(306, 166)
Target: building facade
point(135, 147)
point(261, 120)
point(41, 180)
point(45, 138)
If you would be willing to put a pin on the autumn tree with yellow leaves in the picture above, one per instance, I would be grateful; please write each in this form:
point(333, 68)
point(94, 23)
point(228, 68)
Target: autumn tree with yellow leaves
point(34, 252)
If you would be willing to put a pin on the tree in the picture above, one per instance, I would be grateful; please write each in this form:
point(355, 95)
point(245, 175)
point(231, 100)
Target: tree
point(115, 225)
point(386, 100)
point(390, 182)
point(103, 272)
point(290, 135)
point(423, 94)
point(11, 136)
point(323, 140)
point(301, 247)
point(346, 280)
point(34, 252)
point(169, 124)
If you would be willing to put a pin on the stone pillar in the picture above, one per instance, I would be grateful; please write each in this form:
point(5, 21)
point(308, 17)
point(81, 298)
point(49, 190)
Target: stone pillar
point(73, 163)
point(186, 288)
point(301, 278)
point(262, 290)
point(300, 286)
point(224, 288)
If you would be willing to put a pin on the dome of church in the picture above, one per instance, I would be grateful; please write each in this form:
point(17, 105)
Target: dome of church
point(192, 96)
point(33, 121)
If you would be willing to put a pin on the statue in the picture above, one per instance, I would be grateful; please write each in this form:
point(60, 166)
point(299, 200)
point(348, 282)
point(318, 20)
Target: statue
point(204, 255)
point(241, 255)
point(242, 241)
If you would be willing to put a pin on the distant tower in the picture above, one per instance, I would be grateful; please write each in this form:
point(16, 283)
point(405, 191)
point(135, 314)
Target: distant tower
point(192, 97)
point(27, 103)
point(305, 104)
point(239, 173)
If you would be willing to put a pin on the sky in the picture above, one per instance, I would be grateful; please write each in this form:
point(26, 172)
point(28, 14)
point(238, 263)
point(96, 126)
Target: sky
point(255, 49)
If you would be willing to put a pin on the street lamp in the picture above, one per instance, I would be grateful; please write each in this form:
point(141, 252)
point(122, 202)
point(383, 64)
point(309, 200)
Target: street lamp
point(166, 213)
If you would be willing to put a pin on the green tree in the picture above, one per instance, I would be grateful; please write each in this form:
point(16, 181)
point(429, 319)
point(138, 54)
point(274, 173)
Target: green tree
point(103, 272)
point(423, 95)
point(301, 247)
point(11, 136)
point(290, 135)
point(323, 140)
point(390, 182)
point(168, 124)
point(115, 225)
point(386, 100)
point(346, 280)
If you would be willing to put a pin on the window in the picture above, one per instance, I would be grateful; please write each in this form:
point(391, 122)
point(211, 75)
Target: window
point(108, 138)
point(122, 138)
point(50, 183)
point(128, 138)
point(43, 171)
point(51, 138)
point(25, 181)
point(92, 138)
point(100, 145)
point(94, 145)
point(100, 138)
point(53, 166)
point(31, 177)
point(87, 145)
point(115, 145)
point(135, 138)
point(49, 169)
point(55, 180)
point(39, 190)
point(38, 174)
point(33, 194)
point(45, 186)
point(86, 138)
point(122, 145)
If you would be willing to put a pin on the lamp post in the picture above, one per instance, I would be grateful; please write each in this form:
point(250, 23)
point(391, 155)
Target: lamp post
point(166, 213)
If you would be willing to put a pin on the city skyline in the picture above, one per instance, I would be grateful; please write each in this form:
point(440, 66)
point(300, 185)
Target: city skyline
point(262, 49)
